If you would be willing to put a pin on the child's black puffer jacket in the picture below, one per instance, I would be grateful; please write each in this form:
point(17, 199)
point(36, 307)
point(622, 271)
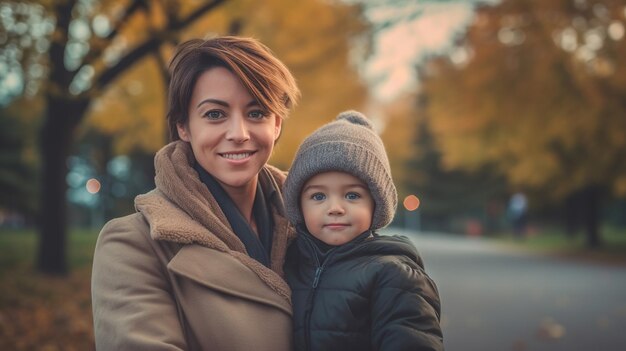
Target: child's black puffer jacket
point(369, 294)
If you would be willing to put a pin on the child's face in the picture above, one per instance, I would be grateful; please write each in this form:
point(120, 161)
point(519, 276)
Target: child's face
point(336, 206)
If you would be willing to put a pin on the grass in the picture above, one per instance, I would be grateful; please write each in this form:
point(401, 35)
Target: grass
point(39, 312)
point(19, 248)
point(555, 242)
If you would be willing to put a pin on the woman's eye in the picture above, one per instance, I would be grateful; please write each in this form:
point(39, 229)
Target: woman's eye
point(257, 114)
point(353, 196)
point(213, 114)
point(318, 196)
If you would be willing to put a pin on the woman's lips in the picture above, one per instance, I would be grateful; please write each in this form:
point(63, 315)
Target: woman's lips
point(237, 156)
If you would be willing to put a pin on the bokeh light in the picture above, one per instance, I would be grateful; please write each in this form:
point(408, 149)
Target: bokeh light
point(411, 202)
point(93, 186)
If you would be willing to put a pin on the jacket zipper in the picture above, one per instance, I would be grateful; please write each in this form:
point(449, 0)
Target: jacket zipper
point(309, 306)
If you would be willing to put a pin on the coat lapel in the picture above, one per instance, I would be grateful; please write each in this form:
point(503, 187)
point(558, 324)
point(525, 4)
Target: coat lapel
point(224, 272)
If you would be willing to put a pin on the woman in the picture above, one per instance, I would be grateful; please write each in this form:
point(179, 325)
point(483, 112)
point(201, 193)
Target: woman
point(199, 265)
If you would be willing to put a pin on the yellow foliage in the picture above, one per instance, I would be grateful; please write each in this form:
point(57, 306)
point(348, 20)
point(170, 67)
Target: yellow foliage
point(619, 186)
point(536, 112)
point(133, 110)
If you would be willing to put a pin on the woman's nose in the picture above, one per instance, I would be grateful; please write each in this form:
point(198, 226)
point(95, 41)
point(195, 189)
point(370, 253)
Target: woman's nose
point(237, 129)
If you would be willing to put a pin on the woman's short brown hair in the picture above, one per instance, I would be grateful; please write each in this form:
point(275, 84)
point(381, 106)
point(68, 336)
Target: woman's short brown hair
point(267, 79)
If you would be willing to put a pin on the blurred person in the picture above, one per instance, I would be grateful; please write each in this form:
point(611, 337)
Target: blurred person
point(199, 265)
point(353, 289)
point(517, 211)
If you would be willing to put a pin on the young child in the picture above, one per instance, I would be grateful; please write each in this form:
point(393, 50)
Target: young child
point(353, 289)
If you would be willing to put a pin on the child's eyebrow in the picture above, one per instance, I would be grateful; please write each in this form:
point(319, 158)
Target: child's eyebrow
point(313, 186)
point(360, 186)
point(320, 186)
point(356, 186)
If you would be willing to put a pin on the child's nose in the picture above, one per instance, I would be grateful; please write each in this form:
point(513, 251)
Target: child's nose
point(335, 208)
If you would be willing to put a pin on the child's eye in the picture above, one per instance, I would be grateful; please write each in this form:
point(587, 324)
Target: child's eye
point(257, 114)
point(353, 196)
point(214, 114)
point(318, 197)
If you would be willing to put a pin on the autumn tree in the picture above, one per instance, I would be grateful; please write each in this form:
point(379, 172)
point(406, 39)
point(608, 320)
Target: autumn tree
point(537, 90)
point(452, 197)
point(83, 47)
point(448, 197)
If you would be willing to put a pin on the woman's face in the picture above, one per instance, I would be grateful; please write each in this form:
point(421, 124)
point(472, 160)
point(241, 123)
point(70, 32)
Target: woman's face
point(231, 135)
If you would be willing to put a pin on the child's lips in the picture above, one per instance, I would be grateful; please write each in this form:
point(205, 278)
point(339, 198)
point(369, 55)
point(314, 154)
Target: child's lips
point(336, 226)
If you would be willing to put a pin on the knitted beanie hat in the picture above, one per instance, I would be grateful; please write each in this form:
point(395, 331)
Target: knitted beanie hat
point(348, 144)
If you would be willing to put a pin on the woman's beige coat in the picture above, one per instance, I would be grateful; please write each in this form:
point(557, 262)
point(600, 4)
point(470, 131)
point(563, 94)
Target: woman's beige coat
point(173, 276)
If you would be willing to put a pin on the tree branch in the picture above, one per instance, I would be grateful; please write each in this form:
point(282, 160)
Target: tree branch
point(99, 45)
point(194, 15)
point(134, 6)
point(150, 45)
point(128, 60)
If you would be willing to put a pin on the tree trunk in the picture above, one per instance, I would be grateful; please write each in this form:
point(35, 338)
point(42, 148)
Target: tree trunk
point(591, 215)
point(572, 214)
point(65, 112)
point(56, 138)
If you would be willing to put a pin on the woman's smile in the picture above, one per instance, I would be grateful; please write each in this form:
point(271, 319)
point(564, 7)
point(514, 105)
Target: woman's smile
point(238, 156)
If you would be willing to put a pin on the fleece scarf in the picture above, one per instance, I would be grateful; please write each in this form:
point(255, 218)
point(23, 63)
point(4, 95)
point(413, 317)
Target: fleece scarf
point(257, 245)
point(182, 209)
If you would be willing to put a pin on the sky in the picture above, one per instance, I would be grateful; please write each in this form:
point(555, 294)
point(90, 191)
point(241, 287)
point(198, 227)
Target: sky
point(390, 70)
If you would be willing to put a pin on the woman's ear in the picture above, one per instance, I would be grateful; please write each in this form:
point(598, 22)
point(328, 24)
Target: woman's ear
point(278, 127)
point(182, 132)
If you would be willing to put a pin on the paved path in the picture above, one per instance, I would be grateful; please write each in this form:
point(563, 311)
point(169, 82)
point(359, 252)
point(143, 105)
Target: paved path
point(497, 299)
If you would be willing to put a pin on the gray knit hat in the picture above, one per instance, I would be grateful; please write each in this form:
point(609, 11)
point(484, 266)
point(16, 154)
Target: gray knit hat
point(348, 144)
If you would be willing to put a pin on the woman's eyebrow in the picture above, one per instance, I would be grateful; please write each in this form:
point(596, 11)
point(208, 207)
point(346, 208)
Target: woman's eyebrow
point(214, 101)
point(224, 103)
